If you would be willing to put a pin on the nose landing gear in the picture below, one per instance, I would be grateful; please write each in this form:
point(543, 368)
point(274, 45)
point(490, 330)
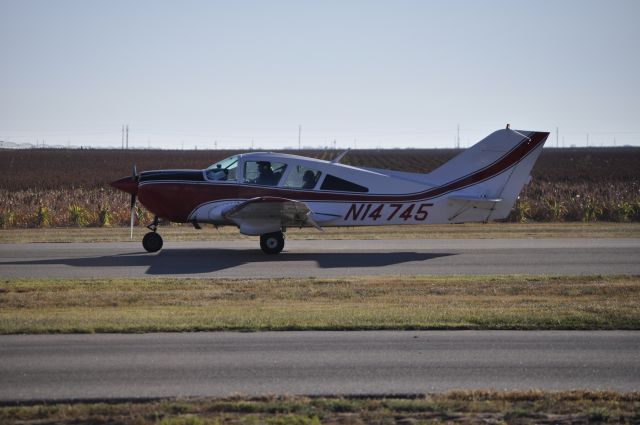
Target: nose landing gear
point(152, 241)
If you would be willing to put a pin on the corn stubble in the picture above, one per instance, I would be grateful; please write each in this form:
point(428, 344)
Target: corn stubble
point(568, 185)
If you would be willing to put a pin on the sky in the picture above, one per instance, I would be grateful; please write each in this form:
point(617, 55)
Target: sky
point(350, 73)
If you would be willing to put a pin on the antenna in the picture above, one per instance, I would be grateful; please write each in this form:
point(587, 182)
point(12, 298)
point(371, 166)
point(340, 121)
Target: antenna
point(338, 158)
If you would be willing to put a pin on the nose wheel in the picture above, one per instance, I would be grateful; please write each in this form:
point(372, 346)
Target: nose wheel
point(152, 241)
point(272, 243)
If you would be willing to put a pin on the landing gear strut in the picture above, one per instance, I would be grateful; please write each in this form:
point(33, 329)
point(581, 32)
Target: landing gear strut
point(152, 241)
point(272, 243)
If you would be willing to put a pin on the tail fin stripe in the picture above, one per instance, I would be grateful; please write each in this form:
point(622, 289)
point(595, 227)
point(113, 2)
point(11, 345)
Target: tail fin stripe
point(507, 161)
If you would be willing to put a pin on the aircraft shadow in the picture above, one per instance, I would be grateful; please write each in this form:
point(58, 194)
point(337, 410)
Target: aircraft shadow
point(205, 260)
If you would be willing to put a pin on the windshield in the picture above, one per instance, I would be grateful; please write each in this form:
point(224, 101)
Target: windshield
point(223, 170)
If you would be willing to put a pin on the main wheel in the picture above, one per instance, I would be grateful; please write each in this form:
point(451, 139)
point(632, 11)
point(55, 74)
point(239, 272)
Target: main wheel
point(272, 243)
point(152, 242)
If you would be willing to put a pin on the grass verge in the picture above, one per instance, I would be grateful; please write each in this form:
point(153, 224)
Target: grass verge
point(421, 302)
point(469, 407)
point(448, 231)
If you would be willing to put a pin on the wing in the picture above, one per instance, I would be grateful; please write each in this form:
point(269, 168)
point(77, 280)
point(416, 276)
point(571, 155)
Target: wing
point(268, 214)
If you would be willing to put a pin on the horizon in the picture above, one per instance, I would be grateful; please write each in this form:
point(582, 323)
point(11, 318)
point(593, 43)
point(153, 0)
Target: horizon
point(28, 146)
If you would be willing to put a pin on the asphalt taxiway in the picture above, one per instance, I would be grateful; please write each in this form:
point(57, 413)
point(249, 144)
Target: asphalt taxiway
point(324, 258)
point(115, 366)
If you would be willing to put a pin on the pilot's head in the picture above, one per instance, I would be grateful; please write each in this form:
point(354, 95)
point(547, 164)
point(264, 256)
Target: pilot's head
point(308, 176)
point(264, 166)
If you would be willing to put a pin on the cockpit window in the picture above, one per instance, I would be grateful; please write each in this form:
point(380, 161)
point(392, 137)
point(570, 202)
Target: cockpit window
point(224, 170)
point(302, 178)
point(263, 172)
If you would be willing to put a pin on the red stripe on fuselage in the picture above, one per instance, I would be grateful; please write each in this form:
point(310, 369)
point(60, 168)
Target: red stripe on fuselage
point(176, 200)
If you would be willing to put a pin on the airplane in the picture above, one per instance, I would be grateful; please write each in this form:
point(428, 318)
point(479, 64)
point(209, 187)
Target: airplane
point(265, 193)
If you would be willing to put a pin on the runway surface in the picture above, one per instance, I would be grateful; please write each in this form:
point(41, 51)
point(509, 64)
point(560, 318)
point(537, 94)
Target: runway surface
point(59, 367)
point(324, 258)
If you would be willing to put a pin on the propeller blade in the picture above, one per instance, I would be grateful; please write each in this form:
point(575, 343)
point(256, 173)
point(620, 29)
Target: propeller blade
point(134, 177)
point(133, 209)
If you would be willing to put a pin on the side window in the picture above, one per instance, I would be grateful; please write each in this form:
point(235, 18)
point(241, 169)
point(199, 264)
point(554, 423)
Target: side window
point(302, 178)
point(336, 183)
point(263, 172)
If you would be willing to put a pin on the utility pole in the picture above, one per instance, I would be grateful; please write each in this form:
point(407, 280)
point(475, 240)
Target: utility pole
point(587, 139)
point(127, 136)
point(557, 139)
point(122, 136)
point(299, 136)
point(458, 138)
point(215, 143)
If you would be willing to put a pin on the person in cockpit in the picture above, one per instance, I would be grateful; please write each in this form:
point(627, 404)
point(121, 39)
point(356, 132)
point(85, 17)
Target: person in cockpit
point(308, 179)
point(265, 174)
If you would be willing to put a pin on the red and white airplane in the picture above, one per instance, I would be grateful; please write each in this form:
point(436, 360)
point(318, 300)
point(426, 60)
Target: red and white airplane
point(265, 193)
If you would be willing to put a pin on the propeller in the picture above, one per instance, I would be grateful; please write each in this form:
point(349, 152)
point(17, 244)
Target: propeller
point(134, 177)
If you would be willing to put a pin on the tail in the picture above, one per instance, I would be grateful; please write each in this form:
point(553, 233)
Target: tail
point(484, 181)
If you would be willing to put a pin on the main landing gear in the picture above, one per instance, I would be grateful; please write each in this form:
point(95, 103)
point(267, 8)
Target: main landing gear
point(152, 241)
point(272, 243)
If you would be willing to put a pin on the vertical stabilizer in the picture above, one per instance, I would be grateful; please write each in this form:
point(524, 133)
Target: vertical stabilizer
point(485, 180)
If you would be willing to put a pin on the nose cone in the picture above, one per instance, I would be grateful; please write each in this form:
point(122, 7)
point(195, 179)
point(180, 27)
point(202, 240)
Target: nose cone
point(126, 184)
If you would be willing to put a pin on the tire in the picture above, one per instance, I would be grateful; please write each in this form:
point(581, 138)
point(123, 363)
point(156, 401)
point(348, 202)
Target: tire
point(152, 242)
point(272, 243)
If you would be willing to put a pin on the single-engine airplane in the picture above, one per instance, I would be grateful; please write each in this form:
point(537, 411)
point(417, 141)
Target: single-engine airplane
point(265, 193)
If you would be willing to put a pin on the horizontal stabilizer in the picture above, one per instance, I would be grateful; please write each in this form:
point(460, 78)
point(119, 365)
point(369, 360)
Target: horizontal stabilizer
point(470, 198)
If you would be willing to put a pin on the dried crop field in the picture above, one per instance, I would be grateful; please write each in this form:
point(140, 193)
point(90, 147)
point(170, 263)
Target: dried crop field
point(69, 187)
